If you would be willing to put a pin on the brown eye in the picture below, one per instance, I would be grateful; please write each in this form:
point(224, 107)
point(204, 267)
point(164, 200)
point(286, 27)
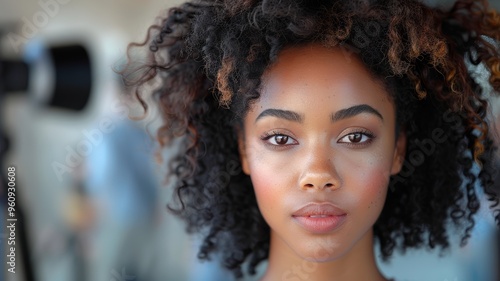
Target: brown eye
point(281, 139)
point(356, 137)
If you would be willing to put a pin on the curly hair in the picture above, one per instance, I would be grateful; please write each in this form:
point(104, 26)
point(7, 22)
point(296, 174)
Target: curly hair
point(209, 56)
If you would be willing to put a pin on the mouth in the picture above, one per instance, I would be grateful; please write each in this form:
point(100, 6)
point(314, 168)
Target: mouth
point(320, 218)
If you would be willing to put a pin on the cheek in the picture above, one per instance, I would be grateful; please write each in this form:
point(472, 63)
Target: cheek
point(268, 173)
point(271, 179)
point(266, 183)
point(375, 182)
point(267, 191)
point(368, 179)
point(263, 183)
point(371, 191)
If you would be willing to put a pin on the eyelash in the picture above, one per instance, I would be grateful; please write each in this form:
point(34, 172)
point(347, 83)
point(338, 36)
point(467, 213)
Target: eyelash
point(365, 133)
point(268, 135)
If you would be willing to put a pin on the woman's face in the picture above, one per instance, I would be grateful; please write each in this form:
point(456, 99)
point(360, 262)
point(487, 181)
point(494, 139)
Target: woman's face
point(319, 146)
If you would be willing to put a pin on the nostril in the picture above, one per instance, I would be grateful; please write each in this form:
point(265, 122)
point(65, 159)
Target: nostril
point(327, 185)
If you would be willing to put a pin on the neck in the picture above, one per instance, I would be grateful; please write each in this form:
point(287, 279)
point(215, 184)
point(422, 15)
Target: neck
point(356, 265)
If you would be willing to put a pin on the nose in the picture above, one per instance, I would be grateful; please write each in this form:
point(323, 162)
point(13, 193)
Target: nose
point(319, 181)
point(319, 173)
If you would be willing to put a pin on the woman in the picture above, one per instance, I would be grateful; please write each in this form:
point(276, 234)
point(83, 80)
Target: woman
point(311, 129)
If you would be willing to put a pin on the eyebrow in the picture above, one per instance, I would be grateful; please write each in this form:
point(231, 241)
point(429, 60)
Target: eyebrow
point(283, 114)
point(355, 110)
point(339, 115)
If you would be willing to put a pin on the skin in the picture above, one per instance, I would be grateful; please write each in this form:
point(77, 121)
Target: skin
point(346, 162)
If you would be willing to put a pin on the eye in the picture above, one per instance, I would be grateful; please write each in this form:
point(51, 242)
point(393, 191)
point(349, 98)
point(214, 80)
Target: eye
point(278, 139)
point(357, 138)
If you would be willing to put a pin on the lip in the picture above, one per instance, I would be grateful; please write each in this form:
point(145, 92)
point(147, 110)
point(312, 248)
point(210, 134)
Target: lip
point(319, 218)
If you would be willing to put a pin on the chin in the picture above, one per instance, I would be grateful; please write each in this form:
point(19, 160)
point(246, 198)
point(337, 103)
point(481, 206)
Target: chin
point(324, 251)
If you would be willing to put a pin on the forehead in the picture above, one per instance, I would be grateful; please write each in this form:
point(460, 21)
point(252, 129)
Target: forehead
point(316, 75)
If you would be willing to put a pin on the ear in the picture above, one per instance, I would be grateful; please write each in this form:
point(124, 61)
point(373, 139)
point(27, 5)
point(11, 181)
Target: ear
point(399, 153)
point(243, 153)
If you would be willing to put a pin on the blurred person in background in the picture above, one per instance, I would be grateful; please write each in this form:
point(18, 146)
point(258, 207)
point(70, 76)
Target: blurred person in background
point(122, 183)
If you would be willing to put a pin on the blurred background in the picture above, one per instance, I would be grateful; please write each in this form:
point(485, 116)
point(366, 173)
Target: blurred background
point(90, 202)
